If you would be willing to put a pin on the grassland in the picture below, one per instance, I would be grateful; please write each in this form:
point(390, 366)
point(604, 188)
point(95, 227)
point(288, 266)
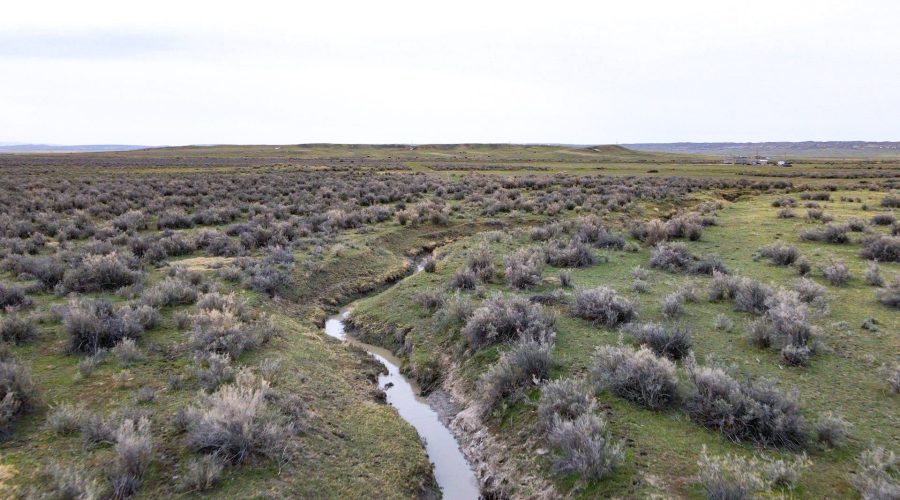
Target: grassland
point(298, 231)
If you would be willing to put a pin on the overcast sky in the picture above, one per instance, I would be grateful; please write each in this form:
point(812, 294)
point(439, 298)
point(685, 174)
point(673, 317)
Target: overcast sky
point(199, 72)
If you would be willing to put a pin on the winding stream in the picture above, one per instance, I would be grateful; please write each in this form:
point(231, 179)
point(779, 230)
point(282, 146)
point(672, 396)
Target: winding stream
point(453, 473)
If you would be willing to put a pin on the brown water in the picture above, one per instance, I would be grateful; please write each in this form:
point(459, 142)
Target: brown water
point(453, 473)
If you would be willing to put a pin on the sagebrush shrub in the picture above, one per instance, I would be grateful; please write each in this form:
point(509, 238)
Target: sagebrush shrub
point(603, 305)
point(481, 262)
point(137, 319)
point(832, 430)
point(572, 254)
point(878, 475)
point(221, 331)
point(856, 225)
point(524, 268)
point(881, 248)
point(430, 299)
point(134, 451)
point(891, 201)
point(566, 398)
point(585, 447)
point(236, 422)
point(464, 279)
point(455, 310)
point(214, 301)
point(753, 410)
point(671, 257)
point(651, 233)
point(872, 275)
point(500, 319)
point(786, 325)
point(18, 393)
point(723, 322)
point(672, 305)
point(637, 376)
point(101, 272)
point(17, 330)
point(671, 341)
point(13, 297)
point(836, 272)
point(202, 474)
point(809, 291)
point(890, 295)
point(750, 295)
point(170, 292)
point(127, 352)
point(780, 253)
point(732, 477)
point(92, 325)
point(65, 419)
point(885, 219)
point(523, 365)
point(827, 234)
point(212, 370)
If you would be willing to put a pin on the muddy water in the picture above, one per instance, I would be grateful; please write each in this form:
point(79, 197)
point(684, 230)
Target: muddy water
point(451, 470)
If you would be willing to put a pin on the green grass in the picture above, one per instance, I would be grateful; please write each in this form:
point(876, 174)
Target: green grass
point(663, 447)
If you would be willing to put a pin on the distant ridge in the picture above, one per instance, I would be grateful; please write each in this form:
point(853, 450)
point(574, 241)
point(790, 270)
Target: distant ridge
point(812, 149)
point(52, 148)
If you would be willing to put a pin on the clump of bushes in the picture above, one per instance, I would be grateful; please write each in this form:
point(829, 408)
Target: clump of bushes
point(13, 298)
point(786, 326)
point(603, 305)
point(17, 330)
point(134, 451)
point(827, 234)
point(884, 219)
point(671, 341)
point(651, 233)
point(752, 410)
point(237, 422)
point(221, 331)
point(501, 319)
point(92, 325)
point(872, 275)
point(671, 257)
point(202, 474)
point(101, 272)
point(881, 248)
point(836, 272)
point(455, 310)
point(780, 254)
point(170, 292)
point(18, 393)
point(572, 254)
point(732, 477)
point(527, 362)
point(481, 262)
point(585, 447)
point(637, 376)
point(891, 201)
point(524, 268)
point(890, 295)
point(832, 430)
point(748, 295)
point(464, 279)
point(879, 474)
point(566, 398)
point(675, 257)
point(672, 305)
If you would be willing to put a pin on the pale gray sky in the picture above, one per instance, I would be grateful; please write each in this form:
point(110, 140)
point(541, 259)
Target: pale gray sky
point(179, 72)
